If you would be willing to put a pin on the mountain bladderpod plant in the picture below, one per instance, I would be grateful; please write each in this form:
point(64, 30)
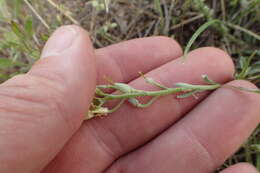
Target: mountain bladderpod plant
point(129, 94)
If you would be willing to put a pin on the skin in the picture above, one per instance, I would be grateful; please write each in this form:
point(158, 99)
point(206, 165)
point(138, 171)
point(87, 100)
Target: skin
point(42, 112)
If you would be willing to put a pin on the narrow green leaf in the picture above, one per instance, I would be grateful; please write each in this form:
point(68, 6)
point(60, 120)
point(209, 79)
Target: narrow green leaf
point(242, 62)
point(17, 8)
point(44, 37)
point(245, 66)
point(16, 29)
point(5, 63)
point(29, 27)
point(197, 34)
point(253, 78)
point(256, 147)
point(255, 69)
point(158, 7)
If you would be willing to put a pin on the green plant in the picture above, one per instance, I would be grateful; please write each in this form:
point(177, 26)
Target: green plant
point(130, 94)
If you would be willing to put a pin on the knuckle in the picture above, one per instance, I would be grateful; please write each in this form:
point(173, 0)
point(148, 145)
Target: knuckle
point(201, 149)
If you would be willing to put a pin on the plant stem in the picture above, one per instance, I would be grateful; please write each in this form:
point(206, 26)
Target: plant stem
point(168, 91)
point(37, 14)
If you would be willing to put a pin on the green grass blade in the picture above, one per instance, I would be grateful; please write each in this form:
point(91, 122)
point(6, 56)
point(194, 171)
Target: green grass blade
point(196, 35)
point(245, 66)
point(17, 30)
point(256, 147)
point(29, 27)
point(157, 4)
point(7, 63)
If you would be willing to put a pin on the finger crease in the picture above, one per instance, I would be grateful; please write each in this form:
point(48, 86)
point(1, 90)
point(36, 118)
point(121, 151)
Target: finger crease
point(210, 158)
point(104, 146)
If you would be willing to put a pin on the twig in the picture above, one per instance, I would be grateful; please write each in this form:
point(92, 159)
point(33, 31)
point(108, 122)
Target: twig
point(223, 9)
point(187, 21)
point(65, 13)
point(37, 14)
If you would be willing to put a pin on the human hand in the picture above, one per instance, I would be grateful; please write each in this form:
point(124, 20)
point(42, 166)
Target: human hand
point(42, 112)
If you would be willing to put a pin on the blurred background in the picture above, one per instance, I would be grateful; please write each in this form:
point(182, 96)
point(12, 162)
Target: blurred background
point(25, 26)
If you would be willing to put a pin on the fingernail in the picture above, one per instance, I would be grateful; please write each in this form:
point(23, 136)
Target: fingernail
point(61, 40)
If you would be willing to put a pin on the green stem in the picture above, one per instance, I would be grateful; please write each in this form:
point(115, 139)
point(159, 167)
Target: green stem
point(161, 92)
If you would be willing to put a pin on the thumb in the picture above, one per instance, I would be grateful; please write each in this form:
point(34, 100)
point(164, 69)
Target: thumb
point(40, 111)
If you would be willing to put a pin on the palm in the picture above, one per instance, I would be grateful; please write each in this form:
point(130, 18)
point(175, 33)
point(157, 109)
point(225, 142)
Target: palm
point(170, 134)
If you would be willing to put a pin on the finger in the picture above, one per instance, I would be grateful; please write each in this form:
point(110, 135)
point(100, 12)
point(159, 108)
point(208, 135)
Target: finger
point(240, 168)
point(122, 62)
point(205, 137)
point(41, 110)
point(106, 139)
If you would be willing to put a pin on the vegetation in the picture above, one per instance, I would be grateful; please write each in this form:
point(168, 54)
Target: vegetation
point(232, 25)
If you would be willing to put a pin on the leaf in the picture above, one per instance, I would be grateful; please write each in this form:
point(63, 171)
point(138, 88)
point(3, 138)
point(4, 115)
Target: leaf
point(157, 4)
point(17, 8)
point(10, 36)
point(197, 34)
point(44, 37)
point(17, 30)
point(7, 63)
point(255, 69)
point(256, 147)
point(254, 78)
point(29, 27)
point(244, 63)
